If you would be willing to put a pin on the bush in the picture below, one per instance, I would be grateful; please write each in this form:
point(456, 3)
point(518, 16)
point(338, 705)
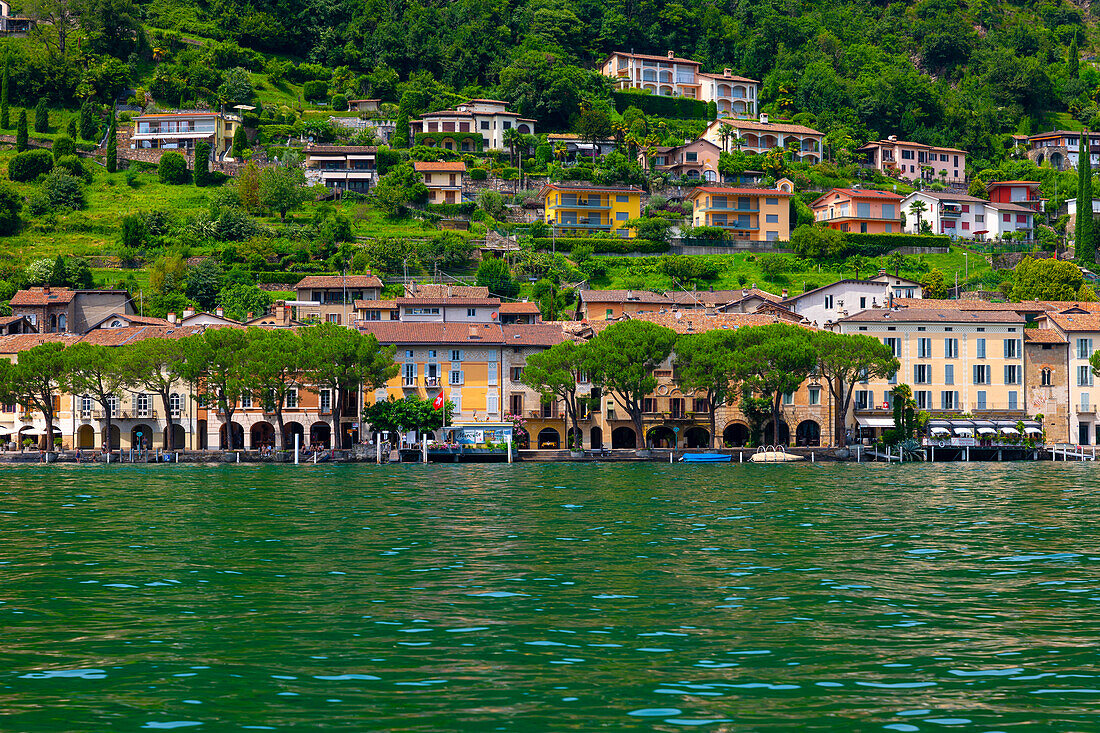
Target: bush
point(290, 278)
point(74, 166)
point(315, 91)
point(651, 104)
point(173, 169)
point(29, 165)
point(11, 203)
point(478, 174)
point(62, 146)
point(876, 245)
point(339, 102)
point(463, 209)
point(601, 245)
point(59, 192)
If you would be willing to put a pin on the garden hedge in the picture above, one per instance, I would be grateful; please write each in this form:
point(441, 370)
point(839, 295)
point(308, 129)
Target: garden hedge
point(601, 245)
point(652, 104)
point(463, 209)
point(30, 164)
point(876, 245)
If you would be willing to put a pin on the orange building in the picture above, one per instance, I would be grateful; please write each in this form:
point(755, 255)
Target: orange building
point(859, 210)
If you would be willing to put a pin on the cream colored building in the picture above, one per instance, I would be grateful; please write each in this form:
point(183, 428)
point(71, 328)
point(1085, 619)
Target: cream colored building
point(955, 362)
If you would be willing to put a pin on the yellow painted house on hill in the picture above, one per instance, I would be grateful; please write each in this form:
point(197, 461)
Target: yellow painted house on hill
point(580, 211)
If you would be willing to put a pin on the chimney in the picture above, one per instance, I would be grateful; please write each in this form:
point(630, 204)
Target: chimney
point(249, 316)
point(45, 289)
point(671, 55)
point(744, 292)
point(281, 313)
point(219, 312)
point(727, 72)
point(881, 271)
point(784, 293)
point(763, 118)
point(892, 138)
point(188, 312)
point(473, 332)
point(172, 318)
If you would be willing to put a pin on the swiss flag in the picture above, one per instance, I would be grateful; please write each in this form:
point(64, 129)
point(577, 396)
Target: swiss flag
point(438, 403)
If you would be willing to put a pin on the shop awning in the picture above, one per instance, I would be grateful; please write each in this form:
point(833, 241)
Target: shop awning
point(1012, 431)
point(986, 431)
point(875, 422)
point(1033, 431)
point(964, 431)
point(940, 431)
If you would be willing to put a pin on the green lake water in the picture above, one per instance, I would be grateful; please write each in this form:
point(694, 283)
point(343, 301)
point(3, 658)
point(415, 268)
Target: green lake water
point(551, 598)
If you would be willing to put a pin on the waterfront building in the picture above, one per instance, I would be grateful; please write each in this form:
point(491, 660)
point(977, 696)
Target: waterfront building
point(955, 361)
point(1079, 327)
point(753, 214)
point(915, 161)
point(860, 210)
point(546, 422)
point(583, 210)
point(761, 136)
point(342, 167)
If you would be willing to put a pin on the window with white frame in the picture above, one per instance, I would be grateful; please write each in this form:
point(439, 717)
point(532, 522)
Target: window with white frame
point(246, 401)
point(1012, 373)
point(815, 395)
point(788, 398)
point(292, 399)
point(141, 405)
point(982, 374)
point(456, 355)
point(85, 404)
point(924, 348)
point(456, 376)
point(175, 403)
point(1084, 348)
point(1084, 376)
point(924, 400)
point(325, 400)
point(1012, 348)
point(951, 348)
point(922, 374)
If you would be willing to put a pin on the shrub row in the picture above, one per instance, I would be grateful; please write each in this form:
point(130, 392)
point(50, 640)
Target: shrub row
point(601, 245)
point(463, 209)
point(876, 245)
point(652, 104)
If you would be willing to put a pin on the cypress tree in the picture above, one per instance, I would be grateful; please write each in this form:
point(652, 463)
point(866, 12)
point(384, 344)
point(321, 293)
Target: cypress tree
point(5, 112)
point(72, 128)
point(112, 145)
point(240, 142)
point(1073, 63)
point(21, 132)
point(41, 117)
point(88, 123)
point(202, 163)
point(1084, 247)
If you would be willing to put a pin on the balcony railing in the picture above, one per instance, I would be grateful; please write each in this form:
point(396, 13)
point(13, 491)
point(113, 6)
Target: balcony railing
point(431, 381)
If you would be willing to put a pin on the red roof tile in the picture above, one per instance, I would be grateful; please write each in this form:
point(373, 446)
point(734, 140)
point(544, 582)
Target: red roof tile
point(42, 296)
point(446, 166)
point(404, 332)
point(534, 334)
point(338, 281)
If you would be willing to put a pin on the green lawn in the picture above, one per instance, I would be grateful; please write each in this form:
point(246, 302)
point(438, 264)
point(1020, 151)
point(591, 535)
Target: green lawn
point(742, 270)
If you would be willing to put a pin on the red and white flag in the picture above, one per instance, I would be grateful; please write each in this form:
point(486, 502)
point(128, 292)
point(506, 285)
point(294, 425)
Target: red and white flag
point(438, 403)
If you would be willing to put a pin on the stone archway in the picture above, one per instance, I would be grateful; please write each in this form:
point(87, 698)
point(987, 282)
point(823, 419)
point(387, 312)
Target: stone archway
point(176, 439)
point(736, 435)
point(85, 437)
point(290, 429)
point(237, 442)
point(549, 439)
point(320, 434)
point(596, 438)
point(141, 436)
point(624, 437)
point(661, 436)
point(260, 435)
point(808, 432)
point(697, 437)
point(784, 434)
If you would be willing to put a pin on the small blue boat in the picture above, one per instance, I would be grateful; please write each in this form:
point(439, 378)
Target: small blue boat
point(706, 458)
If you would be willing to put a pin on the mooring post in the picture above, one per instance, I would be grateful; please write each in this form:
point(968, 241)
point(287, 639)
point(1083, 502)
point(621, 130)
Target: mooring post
point(297, 439)
point(509, 449)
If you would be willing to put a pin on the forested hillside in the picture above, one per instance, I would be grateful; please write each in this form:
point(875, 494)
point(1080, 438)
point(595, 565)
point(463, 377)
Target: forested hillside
point(936, 71)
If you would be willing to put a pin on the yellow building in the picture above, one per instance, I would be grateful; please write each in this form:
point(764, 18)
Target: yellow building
point(585, 210)
point(756, 214)
point(443, 179)
point(461, 360)
point(955, 361)
point(181, 131)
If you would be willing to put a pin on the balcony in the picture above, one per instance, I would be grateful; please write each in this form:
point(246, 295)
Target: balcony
point(431, 381)
point(408, 382)
point(587, 204)
point(735, 226)
point(580, 225)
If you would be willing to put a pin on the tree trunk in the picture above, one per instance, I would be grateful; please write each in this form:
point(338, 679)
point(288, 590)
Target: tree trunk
point(169, 435)
point(639, 434)
point(282, 429)
point(775, 418)
point(227, 421)
point(840, 418)
point(713, 425)
point(48, 415)
point(105, 440)
point(336, 411)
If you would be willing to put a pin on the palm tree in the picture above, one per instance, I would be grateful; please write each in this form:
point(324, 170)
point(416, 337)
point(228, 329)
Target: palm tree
point(896, 260)
point(725, 134)
point(512, 139)
point(917, 208)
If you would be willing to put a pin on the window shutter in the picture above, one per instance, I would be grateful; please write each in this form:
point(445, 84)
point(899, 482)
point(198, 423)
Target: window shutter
point(956, 405)
point(1007, 347)
point(976, 380)
point(461, 377)
point(943, 400)
point(1008, 375)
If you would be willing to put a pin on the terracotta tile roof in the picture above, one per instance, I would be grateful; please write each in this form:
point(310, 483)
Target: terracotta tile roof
point(1029, 184)
point(132, 334)
point(535, 334)
point(1010, 207)
point(16, 342)
point(376, 304)
point(437, 290)
point(1023, 306)
point(694, 298)
point(948, 196)
point(1043, 336)
point(519, 308)
point(859, 193)
point(42, 296)
point(768, 127)
point(340, 149)
point(1076, 321)
point(738, 192)
point(697, 321)
point(132, 320)
point(448, 113)
point(732, 77)
point(447, 166)
point(6, 321)
point(932, 315)
point(623, 296)
point(338, 281)
point(581, 187)
point(650, 57)
point(449, 301)
point(403, 332)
